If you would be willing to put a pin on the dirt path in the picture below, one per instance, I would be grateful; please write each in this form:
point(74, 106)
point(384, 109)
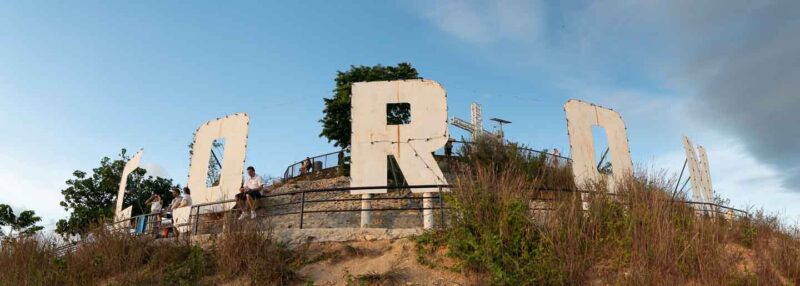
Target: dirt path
point(378, 262)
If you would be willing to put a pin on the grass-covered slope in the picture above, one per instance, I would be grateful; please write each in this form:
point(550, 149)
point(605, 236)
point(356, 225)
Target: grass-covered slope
point(506, 227)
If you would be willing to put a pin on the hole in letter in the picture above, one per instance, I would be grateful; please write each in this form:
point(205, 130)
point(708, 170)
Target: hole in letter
point(215, 162)
point(398, 113)
point(601, 151)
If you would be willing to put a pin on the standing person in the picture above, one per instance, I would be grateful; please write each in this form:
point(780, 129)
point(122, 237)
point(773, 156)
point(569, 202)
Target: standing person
point(154, 202)
point(309, 165)
point(448, 147)
point(176, 203)
point(250, 192)
point(340, 162)
point(304, 167)
point(556, 156)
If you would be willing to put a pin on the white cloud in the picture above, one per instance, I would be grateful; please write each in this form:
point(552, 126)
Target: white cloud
point(484, 22)
point(155, 170)
point(29, 185)
point(728, 67)
point(740, 177)
point(734, 60)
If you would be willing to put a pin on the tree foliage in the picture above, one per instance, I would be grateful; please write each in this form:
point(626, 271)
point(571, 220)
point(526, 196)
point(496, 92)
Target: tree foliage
point(91, 198)
point(24, 224)
point(336, 124)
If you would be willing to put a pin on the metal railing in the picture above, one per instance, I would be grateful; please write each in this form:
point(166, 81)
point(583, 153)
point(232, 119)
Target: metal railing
point(550, 157)
point(699, 207)
point(158, 224)
point(300, 201)
point(318, 163)
point(155, 223)
point(67, 248)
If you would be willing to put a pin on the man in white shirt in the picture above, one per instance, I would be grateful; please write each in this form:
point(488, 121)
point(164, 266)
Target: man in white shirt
point(250, 192)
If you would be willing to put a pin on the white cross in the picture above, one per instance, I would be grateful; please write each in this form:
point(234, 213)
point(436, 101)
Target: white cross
point(475, 128)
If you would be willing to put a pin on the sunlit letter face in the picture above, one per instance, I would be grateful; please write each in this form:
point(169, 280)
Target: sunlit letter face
point(122, 217)
point(706, 169)
point(233, 129)
point(698, 172)
point(131, 165)
point(411, 144)
point(581, 116)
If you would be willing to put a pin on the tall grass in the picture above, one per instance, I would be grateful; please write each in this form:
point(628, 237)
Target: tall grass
point(246, 251)
point(105, 258)
point(508, 230)
point(113, 258)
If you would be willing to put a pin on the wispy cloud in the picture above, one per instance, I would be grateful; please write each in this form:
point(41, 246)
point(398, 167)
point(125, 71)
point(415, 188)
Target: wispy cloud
point(155, 170)
point(486, 21)
point(31, 185)
point(732, 66)
point(740, 177)
point(734, 62)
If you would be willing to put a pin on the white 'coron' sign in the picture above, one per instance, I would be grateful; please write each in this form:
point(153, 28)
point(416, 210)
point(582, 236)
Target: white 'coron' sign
point(411, 144)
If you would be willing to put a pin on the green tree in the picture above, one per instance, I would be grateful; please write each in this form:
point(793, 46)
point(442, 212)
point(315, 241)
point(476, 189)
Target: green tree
point(91, 198)
point(336, 124)
point(24, 224)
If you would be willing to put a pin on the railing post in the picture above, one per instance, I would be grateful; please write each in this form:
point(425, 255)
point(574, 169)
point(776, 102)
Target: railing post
point(366, 217)
point(441, 207)
point(427, 211)
point(302, 207)
point(196, 219)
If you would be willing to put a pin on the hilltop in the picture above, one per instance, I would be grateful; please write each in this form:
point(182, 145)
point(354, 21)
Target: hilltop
point(511, 219)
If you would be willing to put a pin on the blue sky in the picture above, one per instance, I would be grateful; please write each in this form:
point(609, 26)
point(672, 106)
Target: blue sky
point(79, 81)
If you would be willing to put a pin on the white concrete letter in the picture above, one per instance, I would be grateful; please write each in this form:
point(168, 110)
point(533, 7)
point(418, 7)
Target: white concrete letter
point(411, 144)
point(699, 173)
point(581, 116)
point(131, 165)
point(233, 128)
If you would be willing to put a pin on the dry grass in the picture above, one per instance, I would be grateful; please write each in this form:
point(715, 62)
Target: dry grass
point(109, 258)
point(246, 251)
point(393, 276)
point(641, 236)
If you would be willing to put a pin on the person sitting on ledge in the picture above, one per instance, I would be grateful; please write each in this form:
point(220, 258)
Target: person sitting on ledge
point(250, 192)
point(306, 166)
point(176, 199)
point(186, 199)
